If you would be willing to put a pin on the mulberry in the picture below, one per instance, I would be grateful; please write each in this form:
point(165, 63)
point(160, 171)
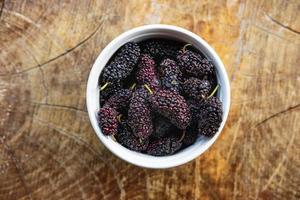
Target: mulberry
point(146, 73)
point(195, 107)
point(139, 114)
point(108, 120)
point(173, 106)
point(213, 81)
point(193, 63)
point(161, 48)
point(123, 63)
point(109, 90)
point(170, 75)
point(191, 134)
point(196, 88)
point(164, 146)
point(126, 138)
point(211, 117)
point(120, 100)
point(162, 126)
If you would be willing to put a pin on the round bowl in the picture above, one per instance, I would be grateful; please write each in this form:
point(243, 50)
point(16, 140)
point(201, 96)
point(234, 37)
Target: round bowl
point(142, 33)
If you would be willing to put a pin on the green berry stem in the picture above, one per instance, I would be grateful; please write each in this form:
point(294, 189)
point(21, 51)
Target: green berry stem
point(181, 138)
point(213, 92)
point(185, 46)
point(148, 88)
point(119, 117)
point(104, 86)
point(133, 86)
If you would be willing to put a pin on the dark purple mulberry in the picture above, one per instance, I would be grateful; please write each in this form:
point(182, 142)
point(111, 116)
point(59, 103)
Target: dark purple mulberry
point(164, 146)
point(211, 117)
point(108, 91)
point(173, 106)
point(108, 120)
point(213, 81)
point(126, 138)
point(122, 64)
point(191, 134)
point(139, 114)
point(170, 75)
point(120, 100)
point(162, 126)
point(196, 88)
point(192, 63)
point(161, 48)
point(146, 73)
point(195, 106)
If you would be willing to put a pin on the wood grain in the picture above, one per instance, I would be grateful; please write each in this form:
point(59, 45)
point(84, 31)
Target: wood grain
point(48, 149)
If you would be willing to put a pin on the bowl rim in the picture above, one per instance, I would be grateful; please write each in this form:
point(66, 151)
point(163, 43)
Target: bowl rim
point(144, 160)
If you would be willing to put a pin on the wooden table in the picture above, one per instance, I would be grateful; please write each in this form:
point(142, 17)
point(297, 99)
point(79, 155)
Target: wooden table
point(48, 149)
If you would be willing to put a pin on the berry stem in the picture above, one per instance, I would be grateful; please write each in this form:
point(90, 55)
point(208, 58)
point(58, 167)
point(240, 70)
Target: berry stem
point(214, 91)
point(133, 86)
point(148, 88)
point(119, 117)
point(181, 138)
point(104, 86)
point(185, 46)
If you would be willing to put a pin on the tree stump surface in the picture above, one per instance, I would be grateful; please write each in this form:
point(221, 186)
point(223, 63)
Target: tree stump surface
point(48, 149)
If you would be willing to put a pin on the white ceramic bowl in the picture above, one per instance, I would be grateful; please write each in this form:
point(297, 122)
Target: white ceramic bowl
point(142, 33)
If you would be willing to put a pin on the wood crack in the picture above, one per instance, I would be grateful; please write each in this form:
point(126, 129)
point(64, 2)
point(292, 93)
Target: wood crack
point(19, 169)
point(277, 114)
point(282, 25)
point(59, 106)
point(62, 54)
point(2, 7)
point(281, 163)
point(44, 83)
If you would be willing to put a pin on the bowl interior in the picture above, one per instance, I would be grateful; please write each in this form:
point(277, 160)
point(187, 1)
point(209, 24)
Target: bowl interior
point(139, 34)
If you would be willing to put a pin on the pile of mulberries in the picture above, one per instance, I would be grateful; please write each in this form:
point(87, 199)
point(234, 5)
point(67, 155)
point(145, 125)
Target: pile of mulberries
point(159, 96)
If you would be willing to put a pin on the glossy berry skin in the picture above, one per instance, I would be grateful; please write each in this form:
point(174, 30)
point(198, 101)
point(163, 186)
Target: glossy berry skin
point(120, 100)
point(122, 64)
point(161, 48)
point(164, 146)
point(108, 120)
point(146, 73)
point(196, 88)
point(126, 138)
point(211, 117)
point(193, 63)
point(139, 114)
point(170, 75)
point(172, 106)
